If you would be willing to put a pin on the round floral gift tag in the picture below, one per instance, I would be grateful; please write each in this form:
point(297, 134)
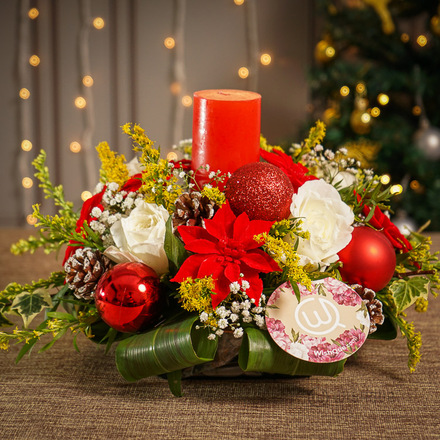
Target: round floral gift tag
point(328, 324)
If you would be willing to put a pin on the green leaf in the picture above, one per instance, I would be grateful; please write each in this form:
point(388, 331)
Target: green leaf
point(30, 304)
point(26, 347)
point(174, 248)
point(386, 331)
point(405, 292)
point(4, 322)
point(259, 352)
point(175, 382)
point(164, 349)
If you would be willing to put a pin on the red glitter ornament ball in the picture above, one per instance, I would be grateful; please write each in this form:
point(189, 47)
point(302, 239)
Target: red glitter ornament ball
point(127, 297)
point(369, 259)
point(261, 190)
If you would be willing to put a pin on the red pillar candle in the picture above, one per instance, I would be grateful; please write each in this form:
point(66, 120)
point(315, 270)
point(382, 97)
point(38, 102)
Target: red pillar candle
point(226, 131)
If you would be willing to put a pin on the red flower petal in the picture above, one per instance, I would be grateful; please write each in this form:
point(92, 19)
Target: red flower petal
point(221, 289)
point(255, 285)
point(189, 268)
point(202, 246)
point(260, 261)
point(190, 233)
point(232, 272)
point(222, 224)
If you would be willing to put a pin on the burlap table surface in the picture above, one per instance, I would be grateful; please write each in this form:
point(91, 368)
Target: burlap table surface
point(63, 394)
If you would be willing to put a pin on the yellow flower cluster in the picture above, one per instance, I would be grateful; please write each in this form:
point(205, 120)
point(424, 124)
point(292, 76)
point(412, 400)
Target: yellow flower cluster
point(195, 295)
point(214, 194)
point(265, 146)
point(159, 185)
point(284, 254)
point(414, 343)
point(421, 305)
point(316, 136)
point(144, 144)
point(113, 168)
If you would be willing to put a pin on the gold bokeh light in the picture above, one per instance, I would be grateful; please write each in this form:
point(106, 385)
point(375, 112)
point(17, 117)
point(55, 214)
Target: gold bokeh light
point(87, 81)
point(187, 101)
point(31, 220)
point(26, 145)
point(34, 60)
point(265, 59)
point(85, 195)
point(243, 72)
point(75, 147)
point(383, 99)
point(344, 91)
point(385, 179)
point(169, 42)
point(24, 93)
point(27, 182)
point(98, 23)
point(80, 102)
point(33, 13)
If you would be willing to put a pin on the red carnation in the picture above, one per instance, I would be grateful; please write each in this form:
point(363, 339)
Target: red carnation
point(224, 250)
point(382, 222)
point(133, 184)
point(297, 173)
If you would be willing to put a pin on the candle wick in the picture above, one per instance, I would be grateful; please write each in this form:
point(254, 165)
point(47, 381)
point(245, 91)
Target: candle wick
point(223, 93)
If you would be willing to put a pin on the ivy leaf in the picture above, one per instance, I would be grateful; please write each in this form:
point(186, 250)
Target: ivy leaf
point(406, 292)
point(30, 304)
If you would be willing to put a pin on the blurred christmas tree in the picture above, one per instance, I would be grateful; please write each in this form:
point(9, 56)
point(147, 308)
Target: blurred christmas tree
point(376, 84)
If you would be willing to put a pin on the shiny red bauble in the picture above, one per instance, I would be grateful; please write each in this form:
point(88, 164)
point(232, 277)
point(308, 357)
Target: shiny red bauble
point(127, 297)
point(369, 259)
point(261, 190)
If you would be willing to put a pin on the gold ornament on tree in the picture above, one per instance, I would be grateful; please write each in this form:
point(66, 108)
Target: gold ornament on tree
point(435, 23)
point(381, 8)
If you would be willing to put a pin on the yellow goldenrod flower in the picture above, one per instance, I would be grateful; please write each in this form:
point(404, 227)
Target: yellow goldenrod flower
point(113, 168)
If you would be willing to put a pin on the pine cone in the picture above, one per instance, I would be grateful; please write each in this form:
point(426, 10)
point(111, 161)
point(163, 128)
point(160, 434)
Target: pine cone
point(374, 306)
point(83, 270)
point(192, 209)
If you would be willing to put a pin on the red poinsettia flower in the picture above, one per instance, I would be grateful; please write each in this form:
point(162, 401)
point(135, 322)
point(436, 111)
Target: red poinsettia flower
point(297, 173)
point(225, 250)
point(85, 215)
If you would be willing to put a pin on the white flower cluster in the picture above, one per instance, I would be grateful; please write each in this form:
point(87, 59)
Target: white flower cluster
point(233, 314)
point(115, 205)
point(335, 168)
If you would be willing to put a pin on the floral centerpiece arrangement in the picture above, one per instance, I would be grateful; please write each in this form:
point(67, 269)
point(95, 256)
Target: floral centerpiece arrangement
point(189, 278)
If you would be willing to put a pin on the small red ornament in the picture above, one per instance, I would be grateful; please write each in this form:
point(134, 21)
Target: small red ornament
point(261, 190)
point(369, 259)
point(127, 297)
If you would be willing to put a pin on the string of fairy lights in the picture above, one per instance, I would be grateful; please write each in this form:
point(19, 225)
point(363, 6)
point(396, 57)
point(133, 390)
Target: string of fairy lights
point(83, 102)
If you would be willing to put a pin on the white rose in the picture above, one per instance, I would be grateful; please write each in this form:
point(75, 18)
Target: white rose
point(142, 234)
point(134, 167)
point(327, 219)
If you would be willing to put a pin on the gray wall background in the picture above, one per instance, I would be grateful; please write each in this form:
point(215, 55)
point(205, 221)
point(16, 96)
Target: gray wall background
point(132, 72)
